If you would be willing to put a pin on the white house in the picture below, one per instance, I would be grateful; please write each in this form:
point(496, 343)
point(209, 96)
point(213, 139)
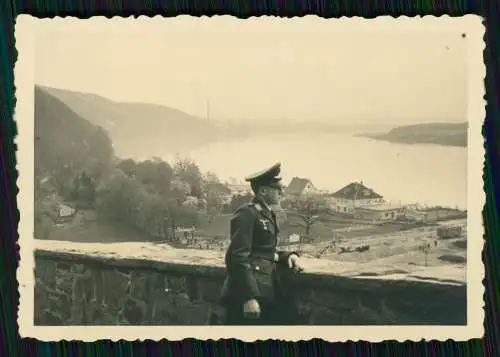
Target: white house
point(352, 196)
point(380, 212)
point(300, 186)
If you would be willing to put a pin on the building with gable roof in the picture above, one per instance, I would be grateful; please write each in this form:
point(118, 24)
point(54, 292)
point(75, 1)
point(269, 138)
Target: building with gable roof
point(355, 194)
point(300, 186)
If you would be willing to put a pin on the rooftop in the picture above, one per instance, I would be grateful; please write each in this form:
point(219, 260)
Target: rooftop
point(297, 185)
point(217, 187)
point(356, 191)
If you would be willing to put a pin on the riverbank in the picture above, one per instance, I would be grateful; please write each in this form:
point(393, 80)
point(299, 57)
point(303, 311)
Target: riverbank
point(445, 134)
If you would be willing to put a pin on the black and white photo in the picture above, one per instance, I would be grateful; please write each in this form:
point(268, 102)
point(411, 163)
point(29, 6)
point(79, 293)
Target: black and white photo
point(215, 177)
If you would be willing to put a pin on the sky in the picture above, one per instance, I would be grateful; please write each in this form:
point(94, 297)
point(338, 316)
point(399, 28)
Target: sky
point(264, 68)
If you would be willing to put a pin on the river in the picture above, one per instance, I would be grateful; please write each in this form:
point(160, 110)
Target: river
point(425, 174)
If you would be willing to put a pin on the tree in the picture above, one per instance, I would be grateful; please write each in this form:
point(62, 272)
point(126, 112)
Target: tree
point(188, 171)
point(128, 166)
point(87, 188)
point(129, 202)
point(84, 189)
point(307, 208)
point(211, 177)
point(154, 173)
point(184, 216)
point(115, 197)
point(214, 203)
point(239, 200)
point(151, 214)
point(100, 148)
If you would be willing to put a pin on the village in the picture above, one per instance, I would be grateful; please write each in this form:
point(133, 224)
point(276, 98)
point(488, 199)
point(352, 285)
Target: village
point(352, 225)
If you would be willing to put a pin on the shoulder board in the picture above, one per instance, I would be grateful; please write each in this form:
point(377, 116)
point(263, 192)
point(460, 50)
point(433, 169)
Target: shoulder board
point(249, 207)
point(257, 206)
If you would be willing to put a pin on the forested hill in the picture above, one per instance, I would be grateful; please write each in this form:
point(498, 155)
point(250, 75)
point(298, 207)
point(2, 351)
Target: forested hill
point(147, 130)
point(447, 134)
point(138, 129)
point(66, 143)
point(75, 165)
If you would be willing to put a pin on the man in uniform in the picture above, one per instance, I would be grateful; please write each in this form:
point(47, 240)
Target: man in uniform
point(250, 293)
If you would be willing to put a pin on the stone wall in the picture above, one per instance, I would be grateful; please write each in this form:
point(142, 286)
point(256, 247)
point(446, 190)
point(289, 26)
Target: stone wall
point(77, 286)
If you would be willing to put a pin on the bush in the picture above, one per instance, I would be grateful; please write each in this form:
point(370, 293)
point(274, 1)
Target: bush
point(237, 201)
point(122, 199)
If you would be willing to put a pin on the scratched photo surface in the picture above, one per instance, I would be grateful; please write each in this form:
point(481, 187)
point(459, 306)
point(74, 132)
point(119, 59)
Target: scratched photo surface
point(148, 150)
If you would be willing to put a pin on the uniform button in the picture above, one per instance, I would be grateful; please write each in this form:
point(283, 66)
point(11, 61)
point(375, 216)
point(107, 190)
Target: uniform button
point(257, 268)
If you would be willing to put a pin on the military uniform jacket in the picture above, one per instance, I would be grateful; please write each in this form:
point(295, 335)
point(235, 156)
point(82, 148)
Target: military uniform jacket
point(250, 258)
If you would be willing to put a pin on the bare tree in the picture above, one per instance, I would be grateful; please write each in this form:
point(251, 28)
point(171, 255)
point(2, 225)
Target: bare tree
point(307, 208)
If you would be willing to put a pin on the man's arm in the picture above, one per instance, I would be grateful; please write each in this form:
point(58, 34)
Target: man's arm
point(283, 256)
point(238, 253)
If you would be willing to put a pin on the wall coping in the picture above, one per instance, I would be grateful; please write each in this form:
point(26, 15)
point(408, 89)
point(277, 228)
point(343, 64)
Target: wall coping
point(162, 257)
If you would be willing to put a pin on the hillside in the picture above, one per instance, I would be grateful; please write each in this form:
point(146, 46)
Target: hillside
point(447, 134)
point(138, 129)
point(141, 129)
point(65, 142)
point(66, 145)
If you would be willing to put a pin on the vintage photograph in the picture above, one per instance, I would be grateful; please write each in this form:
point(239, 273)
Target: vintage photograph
point(237, 174)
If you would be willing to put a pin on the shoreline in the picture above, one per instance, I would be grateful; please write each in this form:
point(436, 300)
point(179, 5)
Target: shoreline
point(387, 138)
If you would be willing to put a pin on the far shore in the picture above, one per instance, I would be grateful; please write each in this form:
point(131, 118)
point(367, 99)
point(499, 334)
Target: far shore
point(444, 134)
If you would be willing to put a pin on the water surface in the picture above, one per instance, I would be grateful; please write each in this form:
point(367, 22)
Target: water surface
point(427, 174)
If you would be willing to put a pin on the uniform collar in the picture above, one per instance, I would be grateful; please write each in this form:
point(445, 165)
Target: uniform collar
point(262, 203)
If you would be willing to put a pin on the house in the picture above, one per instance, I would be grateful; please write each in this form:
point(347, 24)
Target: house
point(300, 186)
point(415, 215)
point(64, 213)
point(379, 212)
point(352, 196)
point(65, 210)
point(217, 190)
point(433, 214)
point(217, 195)
point(195, 203)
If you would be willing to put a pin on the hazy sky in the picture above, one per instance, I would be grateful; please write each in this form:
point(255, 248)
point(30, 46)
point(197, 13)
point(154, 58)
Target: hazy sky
point(263, 68)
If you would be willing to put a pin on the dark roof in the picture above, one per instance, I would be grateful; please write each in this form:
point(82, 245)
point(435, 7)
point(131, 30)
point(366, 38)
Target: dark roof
point(297, 185)
point(356, 190)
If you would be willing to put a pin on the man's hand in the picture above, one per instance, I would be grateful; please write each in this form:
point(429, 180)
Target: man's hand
point(295, 263)
point(251, 309)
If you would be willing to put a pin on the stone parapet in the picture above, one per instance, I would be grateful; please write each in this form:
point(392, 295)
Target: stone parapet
point(151, 284)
